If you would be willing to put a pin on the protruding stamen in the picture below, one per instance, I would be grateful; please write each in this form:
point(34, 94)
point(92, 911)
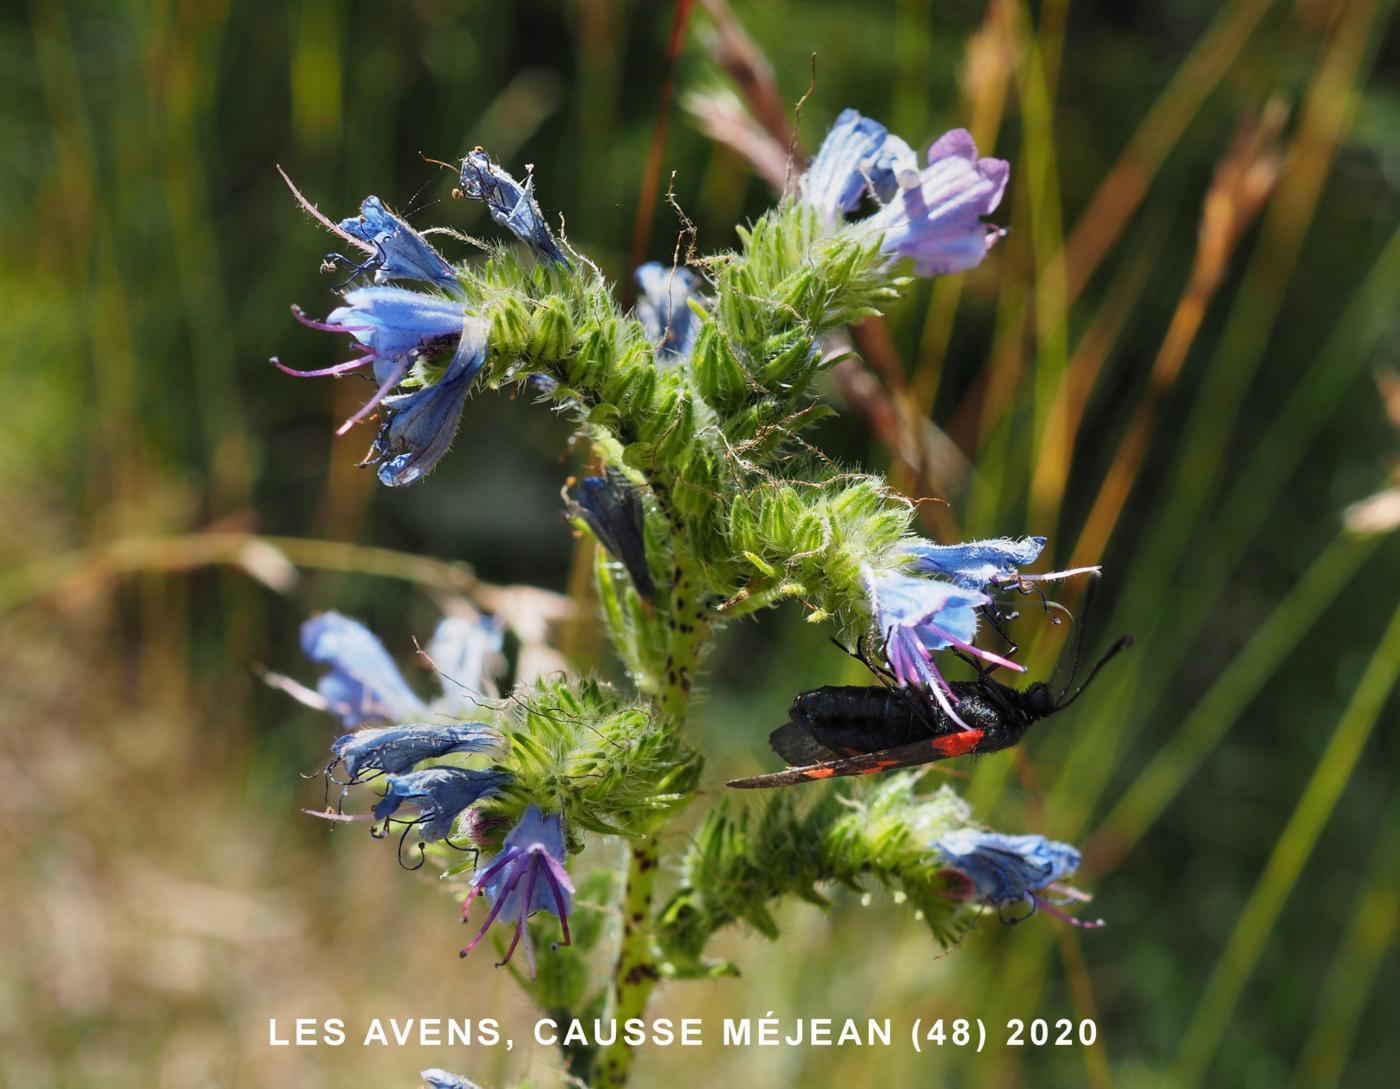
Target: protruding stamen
point(324, 372)
point(501, 899)
point(523, 922)
point(1083, 924)
point(325, 327)
point(976, 652)
point(395, 377)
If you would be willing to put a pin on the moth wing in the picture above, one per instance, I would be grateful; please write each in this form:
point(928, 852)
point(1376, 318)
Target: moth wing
point(793, 741)
point(901, 756)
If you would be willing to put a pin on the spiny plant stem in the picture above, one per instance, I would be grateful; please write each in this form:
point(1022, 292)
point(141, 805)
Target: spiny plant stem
point(636, 973)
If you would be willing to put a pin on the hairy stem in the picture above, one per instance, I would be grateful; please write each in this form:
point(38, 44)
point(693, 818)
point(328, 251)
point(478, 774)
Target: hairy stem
point(636, 973)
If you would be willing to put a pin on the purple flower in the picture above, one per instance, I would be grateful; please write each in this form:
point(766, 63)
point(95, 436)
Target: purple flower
point(527, 876)
point(398, 252)
point(917, 616)
point(441, 1079)
point(1006, 870)
point(857, 156)
point(664, 309)
point(938, 222)
point(395, 749)
point(440, 795)
point(422, 424)
point(612, 509)
point(511, 204)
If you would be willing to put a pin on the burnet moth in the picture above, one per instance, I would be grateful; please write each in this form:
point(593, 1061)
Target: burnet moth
point(861, 730)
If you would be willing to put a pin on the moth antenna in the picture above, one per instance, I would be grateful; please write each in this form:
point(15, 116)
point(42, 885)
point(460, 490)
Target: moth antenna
point(1122, 643)
point(1079, 638)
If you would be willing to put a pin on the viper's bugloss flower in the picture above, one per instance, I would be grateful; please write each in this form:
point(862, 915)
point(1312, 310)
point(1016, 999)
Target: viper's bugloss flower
point(398, 330)
point(399, 252)
point(858, 156)
point(974, 565)
point(664, 309)
point(440, 795)
point(441, 1079)
point(1004, 870)
point(511, 204)
point(395, 328)
point(466, 653)
point(918, 616)
point(422, 424)
point(363, 684)
point(395, 749)
point(611, 507)
point(938, 222)
point(527, 876)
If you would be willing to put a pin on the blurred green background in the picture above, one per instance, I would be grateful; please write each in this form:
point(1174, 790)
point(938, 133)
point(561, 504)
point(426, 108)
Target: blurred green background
point(1171, 363)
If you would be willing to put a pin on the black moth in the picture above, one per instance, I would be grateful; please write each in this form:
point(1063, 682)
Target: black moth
point(861, 730)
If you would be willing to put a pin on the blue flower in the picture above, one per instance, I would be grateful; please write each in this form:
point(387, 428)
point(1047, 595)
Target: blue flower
point(364, 685)
point(974, 565)
point(858, 155)
point(938, 222)
point(422, 424)
point(399, 252)
point(395, 749)
point(664, 309)
point(466, 652)
point(395, 328)
point(395, 324)
point(441, 1079)
point(440, 795)
point(511, 204)
point(916, 617)
point(980, 565)
point(527, 876)
point(1006, 870)
point(610, 507)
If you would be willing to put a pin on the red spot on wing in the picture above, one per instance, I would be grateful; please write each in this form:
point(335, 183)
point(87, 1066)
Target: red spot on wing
point(819, 771)
point(964, 741)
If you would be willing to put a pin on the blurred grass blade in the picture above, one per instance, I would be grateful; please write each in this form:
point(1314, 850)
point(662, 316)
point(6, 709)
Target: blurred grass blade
point(1365, 322)
point(1237, 686)
point(1119, 194)
point(651, 176)
point(1326, 116)
point(1256, 922)
point(1244, 178)
point(1342, 1000)
point(89, 570)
